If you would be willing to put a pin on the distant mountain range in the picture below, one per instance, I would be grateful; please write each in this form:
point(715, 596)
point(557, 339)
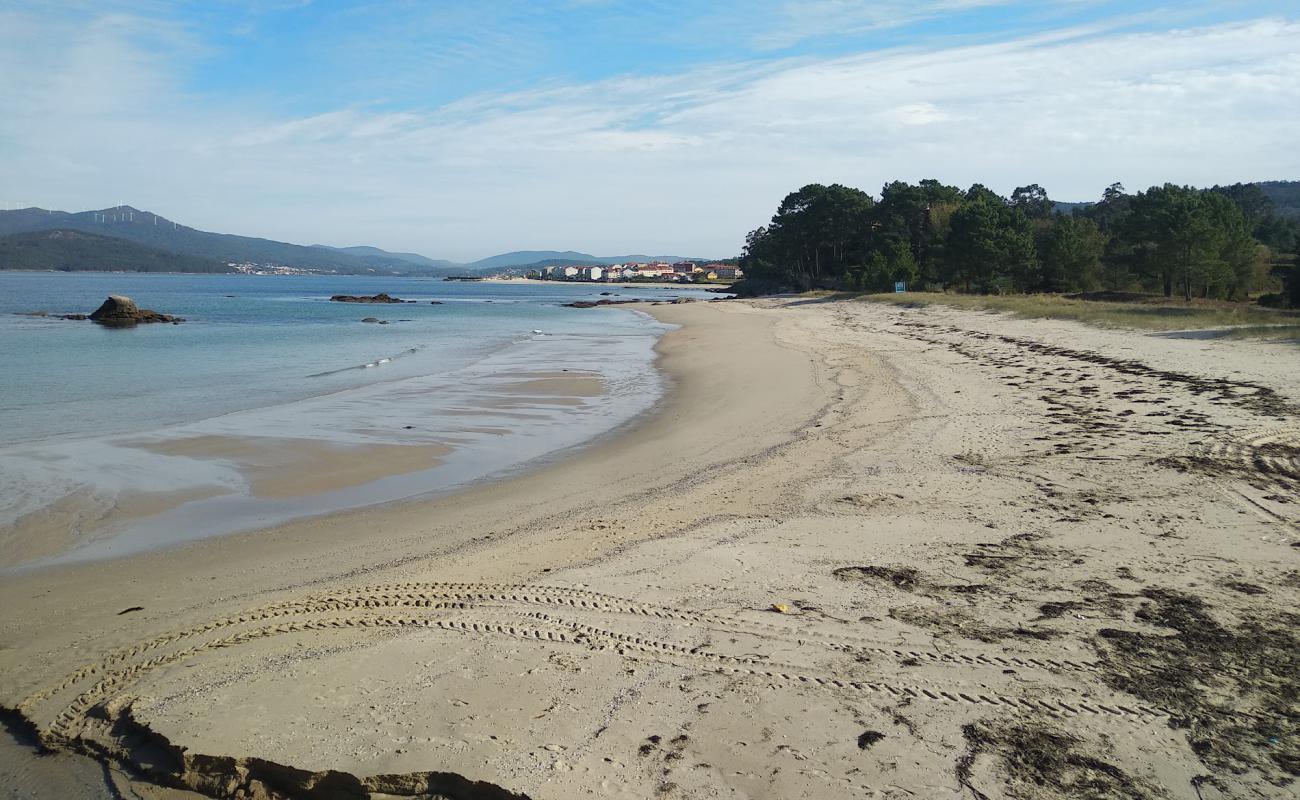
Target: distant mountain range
point(412, 258)
point(130, 239)
point(152, 230)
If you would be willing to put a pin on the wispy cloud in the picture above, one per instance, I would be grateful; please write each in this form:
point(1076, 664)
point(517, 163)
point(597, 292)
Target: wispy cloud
point(805, 19)
point(682, 161)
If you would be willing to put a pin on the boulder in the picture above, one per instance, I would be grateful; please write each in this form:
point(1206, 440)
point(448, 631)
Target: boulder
point(120, 311)
point(370, 319)
point(382, 297)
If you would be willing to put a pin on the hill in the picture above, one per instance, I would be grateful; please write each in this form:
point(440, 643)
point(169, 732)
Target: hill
point(1067, 208)
point(155, 231)
point(1285, 196)
point(518, 258)
point(541, 258)
point(152, 230)
point(413, 258)
point(72, 250)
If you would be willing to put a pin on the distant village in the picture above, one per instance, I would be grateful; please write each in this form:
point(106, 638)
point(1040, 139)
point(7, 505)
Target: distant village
point(253, 268)
point(658, 271)
point(682, 272)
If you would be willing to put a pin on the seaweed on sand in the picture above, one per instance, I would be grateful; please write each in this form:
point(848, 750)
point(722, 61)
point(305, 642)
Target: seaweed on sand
point(1037, 761)
point(1235, 690)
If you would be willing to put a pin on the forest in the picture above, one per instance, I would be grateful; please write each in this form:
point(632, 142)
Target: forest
point(1226, 242)
point(68, 250)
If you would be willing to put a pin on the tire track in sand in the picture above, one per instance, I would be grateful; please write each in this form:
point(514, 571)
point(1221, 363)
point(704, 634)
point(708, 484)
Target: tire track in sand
point(362, 608)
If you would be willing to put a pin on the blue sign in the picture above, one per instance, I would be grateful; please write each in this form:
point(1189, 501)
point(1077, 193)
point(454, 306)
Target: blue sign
point(900, 286)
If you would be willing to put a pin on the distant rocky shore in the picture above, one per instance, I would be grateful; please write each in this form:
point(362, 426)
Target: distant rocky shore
point(611, 302)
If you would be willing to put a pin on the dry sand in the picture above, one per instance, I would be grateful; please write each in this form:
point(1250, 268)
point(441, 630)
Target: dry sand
point(859, 551)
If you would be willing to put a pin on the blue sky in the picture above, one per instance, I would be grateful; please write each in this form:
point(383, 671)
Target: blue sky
point(461, 130)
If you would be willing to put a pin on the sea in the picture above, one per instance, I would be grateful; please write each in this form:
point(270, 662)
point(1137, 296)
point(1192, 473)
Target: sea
point(271, 357)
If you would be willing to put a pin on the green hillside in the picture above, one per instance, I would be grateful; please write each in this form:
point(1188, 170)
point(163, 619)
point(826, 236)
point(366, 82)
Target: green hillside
point(1285, 196)
point(72, 250)
point(151, 230)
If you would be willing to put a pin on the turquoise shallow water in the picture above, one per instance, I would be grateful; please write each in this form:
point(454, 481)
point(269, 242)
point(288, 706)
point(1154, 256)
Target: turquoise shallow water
point(249, 341)
point(272, 357)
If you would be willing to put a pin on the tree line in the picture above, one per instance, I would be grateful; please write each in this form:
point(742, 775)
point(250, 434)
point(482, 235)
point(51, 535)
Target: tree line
point(1225, 242)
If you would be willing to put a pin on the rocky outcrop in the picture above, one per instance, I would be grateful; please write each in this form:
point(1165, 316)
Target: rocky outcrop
point(121, 311)
point(382, 297)
point(594, 303)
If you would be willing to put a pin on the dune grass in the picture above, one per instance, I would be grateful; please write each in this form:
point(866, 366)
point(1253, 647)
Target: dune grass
point(1143, 312)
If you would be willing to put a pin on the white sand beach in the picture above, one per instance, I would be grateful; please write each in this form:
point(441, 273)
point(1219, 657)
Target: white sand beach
point(857, 550)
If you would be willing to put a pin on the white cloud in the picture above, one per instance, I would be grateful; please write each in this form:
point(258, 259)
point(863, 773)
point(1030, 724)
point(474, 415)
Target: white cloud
point(683, 163)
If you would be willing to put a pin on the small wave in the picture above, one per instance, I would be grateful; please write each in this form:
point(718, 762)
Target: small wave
point(367, 365)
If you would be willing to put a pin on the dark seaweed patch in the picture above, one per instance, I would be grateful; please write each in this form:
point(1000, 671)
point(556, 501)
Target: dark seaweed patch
point(1036, 761)
point(904, 578)
point(1235, 690)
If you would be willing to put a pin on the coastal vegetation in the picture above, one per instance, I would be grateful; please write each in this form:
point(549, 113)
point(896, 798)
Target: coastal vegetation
point(1119, 310)
point(1227, 242)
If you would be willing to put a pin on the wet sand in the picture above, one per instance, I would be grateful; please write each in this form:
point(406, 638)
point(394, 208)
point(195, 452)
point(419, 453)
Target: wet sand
point(857, 550)
point(287, 468)
point(231, 481)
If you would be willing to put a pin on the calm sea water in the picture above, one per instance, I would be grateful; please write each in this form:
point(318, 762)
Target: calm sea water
point(271, 356)
point(251, 341)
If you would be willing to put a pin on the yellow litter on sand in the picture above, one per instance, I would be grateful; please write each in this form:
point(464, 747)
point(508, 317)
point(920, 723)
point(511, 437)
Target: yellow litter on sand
point(781, 608)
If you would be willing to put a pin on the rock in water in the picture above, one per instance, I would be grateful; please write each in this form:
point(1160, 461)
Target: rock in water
point(382, 297)
point(119, 310)
point(594, 303)
point(116, 305)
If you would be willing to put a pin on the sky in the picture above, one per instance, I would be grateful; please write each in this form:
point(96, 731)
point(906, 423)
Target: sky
point(461, 130)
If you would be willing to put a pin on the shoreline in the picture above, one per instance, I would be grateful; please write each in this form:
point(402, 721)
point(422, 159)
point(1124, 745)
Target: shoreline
point(850, 536)
point(394, 440)
point(253, 550)
point(254, 554)
point(647, 427)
